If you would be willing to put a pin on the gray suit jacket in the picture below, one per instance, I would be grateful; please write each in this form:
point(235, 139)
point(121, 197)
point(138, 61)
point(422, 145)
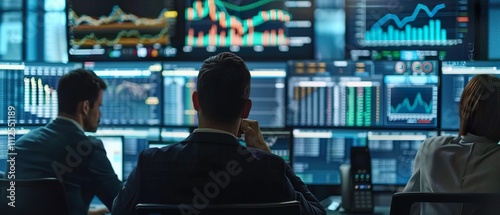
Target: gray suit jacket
point(60, 149)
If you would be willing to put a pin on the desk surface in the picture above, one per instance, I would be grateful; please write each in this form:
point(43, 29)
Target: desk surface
point(379, 210)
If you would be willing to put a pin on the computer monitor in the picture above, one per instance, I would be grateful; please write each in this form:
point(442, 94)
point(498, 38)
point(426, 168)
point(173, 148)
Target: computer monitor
point(410, 30)
point(455, 76)
point(8, 138)
point(271, 30)
point(31, 90)
point(114, 151)
point(267, 92)
point(393, 153)
point(135, 141)
point(133, 94)
point(318, 153)
point(280, 143)
point(362, 94)
point(122, 30)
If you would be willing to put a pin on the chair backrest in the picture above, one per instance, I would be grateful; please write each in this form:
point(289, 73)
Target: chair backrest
point(480, 203)
point(33, 196)
point(289, 208)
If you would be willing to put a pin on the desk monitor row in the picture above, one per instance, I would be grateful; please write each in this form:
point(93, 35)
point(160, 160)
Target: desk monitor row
point(314, 153)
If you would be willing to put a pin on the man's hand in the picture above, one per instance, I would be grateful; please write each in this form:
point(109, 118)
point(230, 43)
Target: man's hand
point(253, 135)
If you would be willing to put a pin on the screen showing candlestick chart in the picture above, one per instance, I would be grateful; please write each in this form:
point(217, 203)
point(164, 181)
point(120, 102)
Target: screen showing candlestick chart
point(133, 92)
point(273, 28)
point(121, 30)
point(410, 30)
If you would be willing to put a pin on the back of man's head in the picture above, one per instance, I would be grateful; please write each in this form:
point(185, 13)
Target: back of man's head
point(76, 86)
point(223, 87)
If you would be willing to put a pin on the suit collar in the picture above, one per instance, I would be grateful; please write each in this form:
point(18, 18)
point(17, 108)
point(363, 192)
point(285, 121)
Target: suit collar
point(210, 137)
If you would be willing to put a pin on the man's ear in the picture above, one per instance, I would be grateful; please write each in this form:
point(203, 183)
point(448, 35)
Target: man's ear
point(85, 107)
point(196, 101)
point(246, 109)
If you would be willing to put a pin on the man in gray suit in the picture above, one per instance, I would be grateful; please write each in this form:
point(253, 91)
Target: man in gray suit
point(62, 150)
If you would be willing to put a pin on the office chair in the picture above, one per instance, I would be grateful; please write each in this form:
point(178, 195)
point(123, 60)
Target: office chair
point(33, 196)
point(289, 208)
point(471, 203)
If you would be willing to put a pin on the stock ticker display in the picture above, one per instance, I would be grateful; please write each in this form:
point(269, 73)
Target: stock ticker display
point(252, 29)
point(410, 30)
point(133, 92)
point(121, 30)
point(363, 94)
point(267, 92)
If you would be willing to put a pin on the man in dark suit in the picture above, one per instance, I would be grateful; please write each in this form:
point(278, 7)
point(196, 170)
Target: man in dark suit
point(210, 166)
point(62, 150)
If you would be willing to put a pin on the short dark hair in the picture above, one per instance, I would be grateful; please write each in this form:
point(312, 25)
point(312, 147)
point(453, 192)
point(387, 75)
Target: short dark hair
point(479, 106)
point(76, 86)
point(223, 87)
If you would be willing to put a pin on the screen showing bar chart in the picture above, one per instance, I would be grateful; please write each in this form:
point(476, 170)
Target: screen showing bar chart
point(133, 92)
point(410, 30)
point(31, 88)
point(276, 29)
point(121, 30)
point(340, 94)
point(267, 92)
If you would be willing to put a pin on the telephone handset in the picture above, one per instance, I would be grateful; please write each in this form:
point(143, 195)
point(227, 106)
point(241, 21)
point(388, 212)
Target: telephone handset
point(356, 180)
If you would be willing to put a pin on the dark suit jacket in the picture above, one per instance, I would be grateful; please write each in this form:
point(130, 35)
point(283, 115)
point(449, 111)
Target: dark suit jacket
point(61, 150)
point(212, 168)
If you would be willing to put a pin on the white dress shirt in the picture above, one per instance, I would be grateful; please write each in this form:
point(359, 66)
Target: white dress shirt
point(463, 164)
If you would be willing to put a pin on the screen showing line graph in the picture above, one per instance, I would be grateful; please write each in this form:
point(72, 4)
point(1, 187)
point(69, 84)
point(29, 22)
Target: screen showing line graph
point(133, 92)
point(455, 76)
point(267, 92)
point(121, 30)
point(411, 94)
point(31, 88)
point(410, 30)
point(278, 29)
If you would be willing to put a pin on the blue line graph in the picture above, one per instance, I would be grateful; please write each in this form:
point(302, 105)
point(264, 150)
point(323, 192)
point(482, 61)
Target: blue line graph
point(413, 17)
point(418, 106)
